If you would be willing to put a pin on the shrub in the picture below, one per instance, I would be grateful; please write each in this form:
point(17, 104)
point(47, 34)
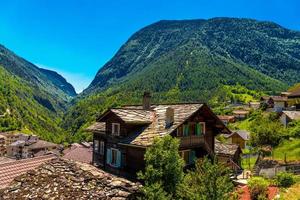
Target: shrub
point(164, 168)
point(258, 188)
point(284, 179)
point(210, 180)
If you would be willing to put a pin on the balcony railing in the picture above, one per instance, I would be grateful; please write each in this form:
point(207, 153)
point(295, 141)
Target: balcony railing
point(192, 140)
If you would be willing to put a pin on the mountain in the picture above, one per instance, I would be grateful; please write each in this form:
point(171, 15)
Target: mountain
point(43, 78)
point(191, 60)
point(32, 99)
point(218, 43)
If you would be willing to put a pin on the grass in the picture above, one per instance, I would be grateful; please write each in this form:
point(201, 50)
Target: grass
point(248, 163)
point(292, 193)
point(290, 148)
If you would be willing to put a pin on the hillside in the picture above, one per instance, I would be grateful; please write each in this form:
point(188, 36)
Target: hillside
point(31, 99)
point(192, 60)
point(179, 47)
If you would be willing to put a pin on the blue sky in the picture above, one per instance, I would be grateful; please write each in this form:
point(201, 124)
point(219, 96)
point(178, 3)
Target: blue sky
point(77, 37)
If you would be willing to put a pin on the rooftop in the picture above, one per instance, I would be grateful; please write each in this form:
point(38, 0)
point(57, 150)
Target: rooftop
point(133, 115)
point(156, 115)
point(11, 169)
point(78, 152)
point(42, 144)
point(97, 127)
point(293, 115)
point(63, 179)
point(226, 117)
point(240, 112)
point(242, 133)
point(225, 149)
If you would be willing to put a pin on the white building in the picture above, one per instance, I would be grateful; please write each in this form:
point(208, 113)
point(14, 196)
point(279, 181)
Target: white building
point(289, 116)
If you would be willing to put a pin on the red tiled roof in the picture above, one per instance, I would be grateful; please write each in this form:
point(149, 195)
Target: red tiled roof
point(10, 170)
point(79, 153)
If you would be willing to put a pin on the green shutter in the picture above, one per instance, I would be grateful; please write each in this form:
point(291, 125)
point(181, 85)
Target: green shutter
point(186, 130)
point(118, 163)
point(108, 156)
point(198, 129)
point(192, 156)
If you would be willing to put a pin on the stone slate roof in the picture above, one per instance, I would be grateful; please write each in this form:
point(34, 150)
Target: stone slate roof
point(226, 117)
point(157, 126)
point(97, 127)
point(240, 112)
point(225, 149)
point(295, 92)
point(42, 144)
point(132, 115)
point(63, 179)
point(293, 115)
point(242, 133)
point(10, 170)
point(279, 98)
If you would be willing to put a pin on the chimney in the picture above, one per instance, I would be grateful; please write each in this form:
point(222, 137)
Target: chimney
point(146, 101)
point(169, 116)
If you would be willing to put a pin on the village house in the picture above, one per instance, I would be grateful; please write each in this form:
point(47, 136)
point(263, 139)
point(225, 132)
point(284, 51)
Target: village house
point(29, 146)
point(289, 116)
point(10, 137)
point(275, 103)
point(121, 135)
point(254, 105)
point(229, 154)
point(240, 114)
point(294, 98)
point(226, 119)
point(238, 137)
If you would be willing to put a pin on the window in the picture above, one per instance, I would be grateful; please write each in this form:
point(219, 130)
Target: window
point(115, 129)
point(96, 145)
point(179, 131)
point(114, 154)
point(188, 156)
point(200, 128)
point(102, 147)
point(113, 157)
point(185, 129)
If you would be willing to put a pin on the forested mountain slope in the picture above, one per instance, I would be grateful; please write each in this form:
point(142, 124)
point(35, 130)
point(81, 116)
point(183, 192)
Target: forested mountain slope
point(32, 99)
point(192, 60)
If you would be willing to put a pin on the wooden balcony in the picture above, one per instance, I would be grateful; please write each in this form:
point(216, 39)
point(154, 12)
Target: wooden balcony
point(191, 141)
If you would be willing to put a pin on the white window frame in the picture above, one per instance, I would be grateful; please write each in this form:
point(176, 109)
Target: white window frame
point(96, 145)
point(101, 147)
point(113, 131)
point(204, 127)
point(114, 164)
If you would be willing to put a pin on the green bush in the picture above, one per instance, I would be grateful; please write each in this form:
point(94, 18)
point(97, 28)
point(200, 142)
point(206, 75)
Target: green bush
point(284, 179)
point(258, 188)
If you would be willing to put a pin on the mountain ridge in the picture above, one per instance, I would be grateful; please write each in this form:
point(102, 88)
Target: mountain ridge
point(192, 60)
point(210, 38)
point(36, 98)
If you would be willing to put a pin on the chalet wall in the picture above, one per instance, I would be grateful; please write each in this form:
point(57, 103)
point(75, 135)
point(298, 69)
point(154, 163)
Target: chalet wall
point(135, 159)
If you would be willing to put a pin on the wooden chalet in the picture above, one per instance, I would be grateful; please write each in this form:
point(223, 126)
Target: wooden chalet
point(121, 135)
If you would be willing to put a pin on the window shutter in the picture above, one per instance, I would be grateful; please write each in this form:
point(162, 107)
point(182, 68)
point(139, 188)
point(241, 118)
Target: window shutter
point(198, 129)
point(118, 159)
point(108, 156)
point(192, 156)
point(186, 129)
